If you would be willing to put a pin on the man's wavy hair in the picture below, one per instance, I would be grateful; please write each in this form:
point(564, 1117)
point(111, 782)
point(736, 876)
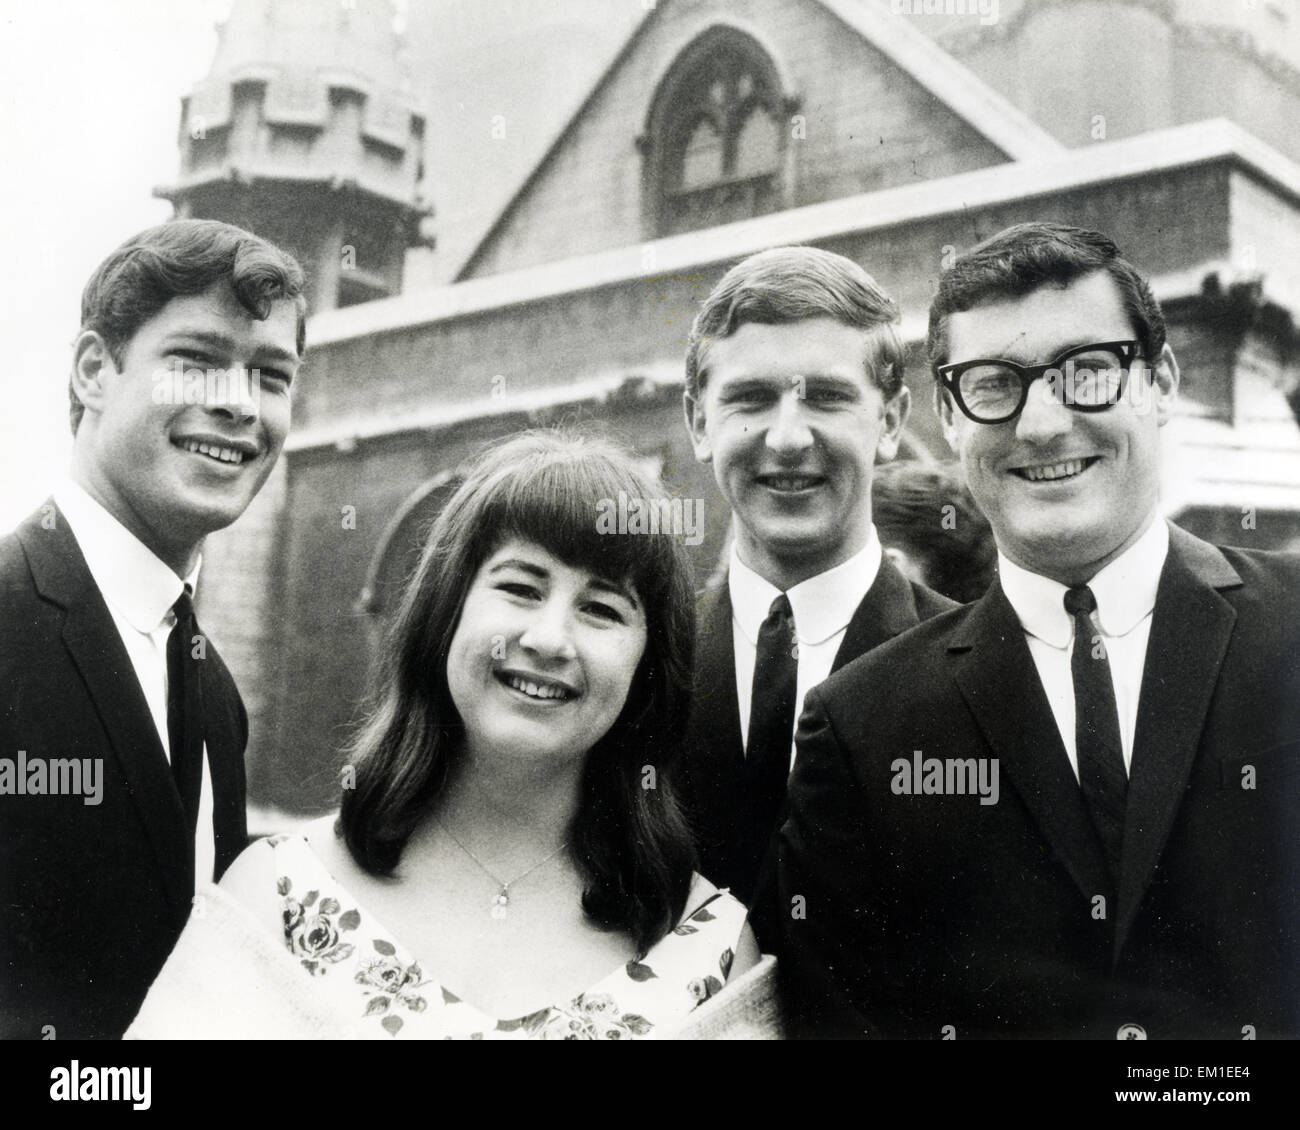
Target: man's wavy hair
point(790, 284)
point(629, 843)
point(183, 257)
point(1024, 257)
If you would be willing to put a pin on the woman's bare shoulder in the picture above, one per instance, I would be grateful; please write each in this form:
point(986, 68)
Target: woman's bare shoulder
point(329, 846)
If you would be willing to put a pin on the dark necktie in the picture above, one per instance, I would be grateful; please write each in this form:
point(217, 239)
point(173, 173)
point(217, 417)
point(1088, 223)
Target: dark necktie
point(771, 715)
point(185, 708)
point(1096, 728)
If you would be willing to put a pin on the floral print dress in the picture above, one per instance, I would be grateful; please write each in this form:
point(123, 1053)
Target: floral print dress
point(384, 988)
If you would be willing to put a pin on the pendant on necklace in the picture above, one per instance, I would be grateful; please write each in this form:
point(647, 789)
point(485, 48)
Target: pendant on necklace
point(500, 902)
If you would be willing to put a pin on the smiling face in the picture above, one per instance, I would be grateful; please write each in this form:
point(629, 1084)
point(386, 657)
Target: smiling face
point(172, 472)
point(543, 656)
point(793, 424)
point(1064, 491)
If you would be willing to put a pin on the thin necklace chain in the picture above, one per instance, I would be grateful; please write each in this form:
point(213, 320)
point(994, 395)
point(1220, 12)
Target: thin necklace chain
point(501, 900)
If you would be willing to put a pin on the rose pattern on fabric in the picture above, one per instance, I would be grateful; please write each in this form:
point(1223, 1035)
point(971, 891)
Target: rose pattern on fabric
point(702, 988)
point(321, 935)
point(386, 982)
point(316, 940)
point(594, 1016)
point(310, 931)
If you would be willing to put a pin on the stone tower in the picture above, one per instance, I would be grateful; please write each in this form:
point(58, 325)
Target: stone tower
point(306, 132)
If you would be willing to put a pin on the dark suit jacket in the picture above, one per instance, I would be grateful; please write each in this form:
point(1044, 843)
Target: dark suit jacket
point(93, 896)
point(732, 842)
point(904, 914)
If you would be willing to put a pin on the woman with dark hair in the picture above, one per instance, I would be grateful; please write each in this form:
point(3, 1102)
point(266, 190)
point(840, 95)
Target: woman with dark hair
point(510, 860)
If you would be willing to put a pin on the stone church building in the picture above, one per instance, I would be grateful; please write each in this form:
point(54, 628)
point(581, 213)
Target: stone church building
point(510, 216)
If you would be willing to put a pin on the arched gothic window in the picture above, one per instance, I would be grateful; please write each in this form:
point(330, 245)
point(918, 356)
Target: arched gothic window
point(714, 145)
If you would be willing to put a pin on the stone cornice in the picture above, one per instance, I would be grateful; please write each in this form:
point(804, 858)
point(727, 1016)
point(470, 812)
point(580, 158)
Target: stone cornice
point(1161, 151)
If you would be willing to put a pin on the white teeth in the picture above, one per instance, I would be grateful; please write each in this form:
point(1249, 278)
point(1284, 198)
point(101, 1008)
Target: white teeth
point(789, 482)
point(224, 454)
point(532, 690)
point(1052, 471)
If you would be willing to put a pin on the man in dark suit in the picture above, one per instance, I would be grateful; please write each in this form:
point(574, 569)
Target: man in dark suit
point(1076, 816)
point(109, 809)
point(794, 388)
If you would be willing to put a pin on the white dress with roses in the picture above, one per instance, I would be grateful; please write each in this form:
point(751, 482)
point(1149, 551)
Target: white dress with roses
point(383, 992)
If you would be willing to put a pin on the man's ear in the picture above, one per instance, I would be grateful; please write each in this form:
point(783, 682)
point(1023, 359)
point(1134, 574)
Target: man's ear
point(92, 363)
point(1164, 384)
point(896, 411)
point(946, 410)
point(696, 425)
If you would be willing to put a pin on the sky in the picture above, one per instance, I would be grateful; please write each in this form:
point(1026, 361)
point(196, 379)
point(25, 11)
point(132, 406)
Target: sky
point(89, 107)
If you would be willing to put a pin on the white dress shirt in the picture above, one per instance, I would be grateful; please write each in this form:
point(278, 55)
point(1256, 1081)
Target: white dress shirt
point(1125, 591)
point(822, 605)
point(139, 591)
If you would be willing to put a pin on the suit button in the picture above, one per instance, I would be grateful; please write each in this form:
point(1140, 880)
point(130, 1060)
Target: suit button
point(1131, 1032)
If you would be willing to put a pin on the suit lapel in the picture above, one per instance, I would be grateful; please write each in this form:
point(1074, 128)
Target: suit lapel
point(1190, 630)
point(95, 647)
point(888, 610)
point(998, 679)
point(716, 704)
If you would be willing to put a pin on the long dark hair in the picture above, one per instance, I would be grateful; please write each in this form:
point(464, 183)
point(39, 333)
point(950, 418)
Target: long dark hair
point(628, 840)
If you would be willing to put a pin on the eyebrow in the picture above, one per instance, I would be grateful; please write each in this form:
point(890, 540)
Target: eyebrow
point(533, 570)
point(523, 566)
point(764, 377)
point(603, 585)
point(1078, 344)
point(219, 341)
point(830, 379)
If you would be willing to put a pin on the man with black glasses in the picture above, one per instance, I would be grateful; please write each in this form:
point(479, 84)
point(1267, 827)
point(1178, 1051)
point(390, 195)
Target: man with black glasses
point(1077, 816)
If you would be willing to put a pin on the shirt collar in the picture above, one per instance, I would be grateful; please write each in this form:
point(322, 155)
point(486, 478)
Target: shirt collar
point(131, 578)
point(822, 605)
point(1125, 591)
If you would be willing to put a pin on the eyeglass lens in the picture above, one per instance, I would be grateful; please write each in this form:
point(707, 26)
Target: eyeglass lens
point(1091, 378)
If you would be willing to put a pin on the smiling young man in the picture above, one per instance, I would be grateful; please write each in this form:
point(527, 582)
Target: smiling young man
point(1135, 690)
point(191, 335)
point(794, 388)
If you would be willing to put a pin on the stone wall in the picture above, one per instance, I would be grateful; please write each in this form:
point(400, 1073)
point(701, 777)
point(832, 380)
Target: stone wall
point(868, 125)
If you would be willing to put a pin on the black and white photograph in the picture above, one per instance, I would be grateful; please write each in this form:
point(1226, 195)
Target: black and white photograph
point(658, 520)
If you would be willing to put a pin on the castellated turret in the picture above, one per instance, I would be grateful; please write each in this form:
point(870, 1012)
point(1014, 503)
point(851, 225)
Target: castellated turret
point(306, 132)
